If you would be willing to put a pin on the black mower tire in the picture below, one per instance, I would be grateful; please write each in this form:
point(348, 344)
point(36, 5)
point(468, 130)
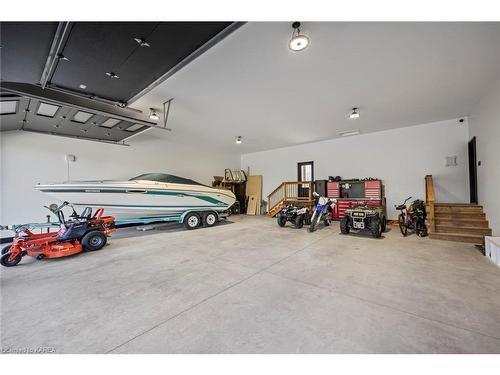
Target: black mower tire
point(376, 228)
point(209, 219)
point(299, 221)
point(281, 220)
point(94, 241)
point(192, 221)
point(5, 256)
point(344, 226)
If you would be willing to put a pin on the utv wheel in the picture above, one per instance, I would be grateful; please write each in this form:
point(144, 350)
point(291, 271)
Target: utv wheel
point(299, 221)
point(94, 241)
point(344, 225)
point(210, 219)
point(402, 226)
point(4, 260)
point(384, 224)
point(192, 220)
point(376, 227)
point(281, 220)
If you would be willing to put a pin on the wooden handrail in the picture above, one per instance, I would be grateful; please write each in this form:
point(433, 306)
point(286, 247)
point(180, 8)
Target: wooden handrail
point(289, 191)
point(430, 199)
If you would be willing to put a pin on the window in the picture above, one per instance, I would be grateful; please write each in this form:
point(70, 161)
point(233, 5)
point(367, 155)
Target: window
point(134, 128)
point(110, 122)
point(82, 117)
point(8, 107)
point(47, 110)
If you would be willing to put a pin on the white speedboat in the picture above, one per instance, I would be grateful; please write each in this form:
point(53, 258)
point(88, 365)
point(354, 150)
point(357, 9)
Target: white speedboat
point(148, 196)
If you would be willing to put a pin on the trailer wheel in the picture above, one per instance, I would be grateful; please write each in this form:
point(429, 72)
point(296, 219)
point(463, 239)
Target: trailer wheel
point(4, 260)
point(94, 240)
point(210, 219)
point(344, 225)
point(192, 220)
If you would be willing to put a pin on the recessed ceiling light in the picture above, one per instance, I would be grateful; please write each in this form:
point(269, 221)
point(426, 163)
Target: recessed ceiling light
point(112, 75)
point(110, 122)
point(82, 117)
point(62, 57)
point(347, 133)
point(142, 42)
point(153, 115)
point(8, 107)
point(47, 110)
point(134, 128)
point(238, 140)
point(354, 114)
point(299, 41)
point(82, 86)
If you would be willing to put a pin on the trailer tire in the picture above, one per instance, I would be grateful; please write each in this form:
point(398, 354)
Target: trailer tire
point(94, 241)
point(192, 221)
point(209, 219)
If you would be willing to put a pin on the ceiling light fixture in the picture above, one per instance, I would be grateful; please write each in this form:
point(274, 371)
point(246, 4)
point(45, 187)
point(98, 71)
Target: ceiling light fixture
point(238, 140)
point(142, 42)
point(348, 133)
point(299, 41)
point(82, 86)
point(62, 57)
point(112, 75)
point(153, 115)
point(354, 114)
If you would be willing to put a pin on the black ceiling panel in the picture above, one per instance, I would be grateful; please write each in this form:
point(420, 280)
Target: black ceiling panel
point(94, 48)
point(25, 47)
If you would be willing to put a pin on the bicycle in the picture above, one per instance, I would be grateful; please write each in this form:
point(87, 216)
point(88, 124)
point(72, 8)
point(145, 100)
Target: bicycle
point(415, 220)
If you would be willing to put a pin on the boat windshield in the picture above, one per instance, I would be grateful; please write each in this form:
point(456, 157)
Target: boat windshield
point(167, 178)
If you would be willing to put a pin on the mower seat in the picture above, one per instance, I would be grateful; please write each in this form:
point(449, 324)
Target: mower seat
point(86, 214)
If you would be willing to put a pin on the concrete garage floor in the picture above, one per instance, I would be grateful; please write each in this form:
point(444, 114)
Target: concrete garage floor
point(252, 287)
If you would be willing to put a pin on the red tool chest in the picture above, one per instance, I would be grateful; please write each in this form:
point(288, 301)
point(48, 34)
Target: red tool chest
point(352, 193)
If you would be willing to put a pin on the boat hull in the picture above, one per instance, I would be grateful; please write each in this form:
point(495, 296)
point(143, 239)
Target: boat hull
point(135, 200)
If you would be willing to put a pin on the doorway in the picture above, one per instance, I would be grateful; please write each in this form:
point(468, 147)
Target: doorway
point(305, 172)
point(472, 170)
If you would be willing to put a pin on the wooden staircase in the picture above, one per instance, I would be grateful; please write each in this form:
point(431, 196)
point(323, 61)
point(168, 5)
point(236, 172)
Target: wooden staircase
point(455, 221)
point(290, 192)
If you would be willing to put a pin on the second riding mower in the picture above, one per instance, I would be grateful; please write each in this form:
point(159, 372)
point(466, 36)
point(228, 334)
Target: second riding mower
point(84, 232)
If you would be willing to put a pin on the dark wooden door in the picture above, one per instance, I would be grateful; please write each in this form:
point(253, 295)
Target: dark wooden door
point(473, 170)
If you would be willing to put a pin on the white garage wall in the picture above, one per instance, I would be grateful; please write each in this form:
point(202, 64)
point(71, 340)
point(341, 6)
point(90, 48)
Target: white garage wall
point(28, 158)
point(484, 124)
point(400, 157)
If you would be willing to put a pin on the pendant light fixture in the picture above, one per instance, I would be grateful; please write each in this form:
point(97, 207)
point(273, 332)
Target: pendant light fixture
point(354, 114)
point(299, 41)
point(153, 115)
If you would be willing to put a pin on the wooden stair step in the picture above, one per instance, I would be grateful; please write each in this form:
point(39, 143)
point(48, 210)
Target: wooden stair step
point(462, 222)
point(457, 205)
point(464, 230)
point(458, 237)
point(460, 215)
point(458, 210)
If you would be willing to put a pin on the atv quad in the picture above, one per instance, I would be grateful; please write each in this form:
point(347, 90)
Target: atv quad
point(296, 215)
point(364, 218)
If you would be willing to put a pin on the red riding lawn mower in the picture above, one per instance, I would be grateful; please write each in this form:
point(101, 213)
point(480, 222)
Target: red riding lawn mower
point(81, 232)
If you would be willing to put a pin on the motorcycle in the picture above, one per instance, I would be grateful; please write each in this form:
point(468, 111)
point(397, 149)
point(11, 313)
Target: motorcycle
point(322, 211)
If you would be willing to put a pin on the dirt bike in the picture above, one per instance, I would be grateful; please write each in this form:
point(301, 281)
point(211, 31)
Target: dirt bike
point(322, 212)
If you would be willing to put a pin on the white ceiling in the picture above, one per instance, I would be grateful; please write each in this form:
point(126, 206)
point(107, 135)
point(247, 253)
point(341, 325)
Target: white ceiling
point(398, 74)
